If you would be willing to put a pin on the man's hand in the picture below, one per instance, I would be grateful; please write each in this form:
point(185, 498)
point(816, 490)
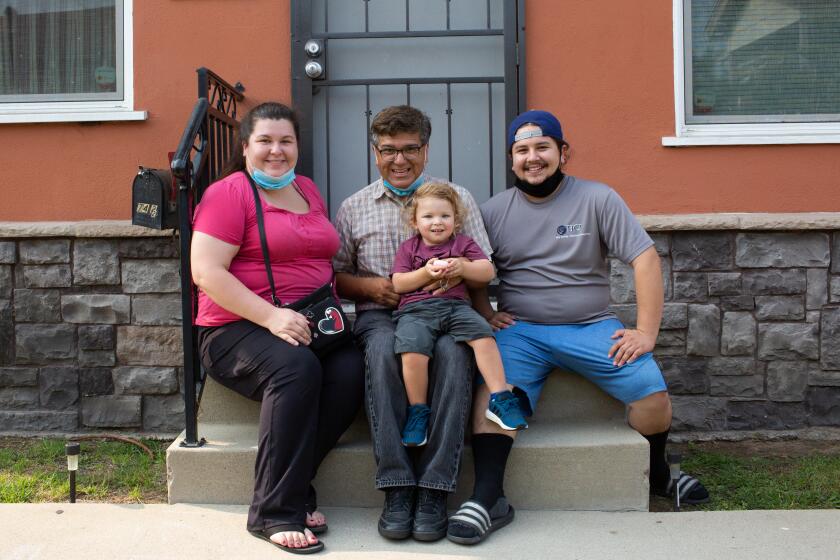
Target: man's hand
point(501, 320)
point(437, 287)
point(632, 343)
point(381, 291)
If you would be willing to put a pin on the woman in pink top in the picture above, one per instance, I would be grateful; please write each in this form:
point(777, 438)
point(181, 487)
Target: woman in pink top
point(260, 350)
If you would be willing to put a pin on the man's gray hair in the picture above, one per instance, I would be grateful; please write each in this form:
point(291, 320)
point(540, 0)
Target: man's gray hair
point(400, 119)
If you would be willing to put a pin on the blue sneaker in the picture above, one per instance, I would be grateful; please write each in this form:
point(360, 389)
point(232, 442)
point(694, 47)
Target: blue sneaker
point(504, 410)
point(416, 428)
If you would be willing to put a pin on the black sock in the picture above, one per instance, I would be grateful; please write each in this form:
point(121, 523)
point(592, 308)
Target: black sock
point(659, 473)
point(490, 453)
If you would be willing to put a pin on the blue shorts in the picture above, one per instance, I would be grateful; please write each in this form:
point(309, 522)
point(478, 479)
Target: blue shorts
point(531, 351)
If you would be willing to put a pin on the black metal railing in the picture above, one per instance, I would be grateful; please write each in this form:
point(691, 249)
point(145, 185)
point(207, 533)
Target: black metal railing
point(205, 146)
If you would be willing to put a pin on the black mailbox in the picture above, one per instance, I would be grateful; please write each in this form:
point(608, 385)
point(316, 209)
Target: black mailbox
point(153, 203)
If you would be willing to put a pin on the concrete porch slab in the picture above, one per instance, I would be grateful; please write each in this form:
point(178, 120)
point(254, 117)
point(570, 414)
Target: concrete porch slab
point(206, 532)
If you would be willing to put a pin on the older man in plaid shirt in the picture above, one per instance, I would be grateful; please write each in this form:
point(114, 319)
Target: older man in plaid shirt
point(371, 230)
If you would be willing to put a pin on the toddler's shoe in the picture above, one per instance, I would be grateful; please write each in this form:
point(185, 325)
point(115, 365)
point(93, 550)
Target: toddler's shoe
point(416, 428)
point(504, 410)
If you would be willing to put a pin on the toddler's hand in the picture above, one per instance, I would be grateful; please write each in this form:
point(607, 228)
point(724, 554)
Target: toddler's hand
point(435, 267)
point(454, 267)
point(501, 320)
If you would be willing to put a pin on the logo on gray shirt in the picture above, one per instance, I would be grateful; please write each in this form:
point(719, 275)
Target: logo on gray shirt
point(570, 230)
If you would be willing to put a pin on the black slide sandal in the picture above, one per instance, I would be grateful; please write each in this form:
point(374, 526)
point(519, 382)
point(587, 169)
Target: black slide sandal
point(471, 524)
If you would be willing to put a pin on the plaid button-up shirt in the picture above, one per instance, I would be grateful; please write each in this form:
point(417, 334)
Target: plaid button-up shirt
point(371, 228)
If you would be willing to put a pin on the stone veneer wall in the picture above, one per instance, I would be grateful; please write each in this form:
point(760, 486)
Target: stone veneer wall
point(89, 329)
point(750, 338)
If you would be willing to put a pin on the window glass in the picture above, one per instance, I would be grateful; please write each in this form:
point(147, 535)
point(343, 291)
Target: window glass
point(762, 61)
point(60, 50)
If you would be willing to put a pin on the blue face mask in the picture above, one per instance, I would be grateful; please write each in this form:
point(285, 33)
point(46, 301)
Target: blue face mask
point(270, 183)
point(407, 190)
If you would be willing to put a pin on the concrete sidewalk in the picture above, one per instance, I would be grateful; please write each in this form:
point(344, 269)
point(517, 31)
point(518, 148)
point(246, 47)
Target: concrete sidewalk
point(186, 532)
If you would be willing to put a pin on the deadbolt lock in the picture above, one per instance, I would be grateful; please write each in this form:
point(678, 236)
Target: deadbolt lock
point(313, 47)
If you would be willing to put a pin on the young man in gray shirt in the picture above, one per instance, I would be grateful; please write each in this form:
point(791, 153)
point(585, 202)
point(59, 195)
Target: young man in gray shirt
point(550, 238)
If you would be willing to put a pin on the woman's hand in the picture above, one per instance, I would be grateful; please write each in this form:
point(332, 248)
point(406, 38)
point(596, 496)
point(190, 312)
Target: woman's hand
point(289, 325)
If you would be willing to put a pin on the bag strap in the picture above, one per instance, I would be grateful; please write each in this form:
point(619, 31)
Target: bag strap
point(263, 241)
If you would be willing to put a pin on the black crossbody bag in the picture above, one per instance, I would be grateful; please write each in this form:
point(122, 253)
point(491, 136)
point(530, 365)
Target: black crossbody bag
point(327, 321)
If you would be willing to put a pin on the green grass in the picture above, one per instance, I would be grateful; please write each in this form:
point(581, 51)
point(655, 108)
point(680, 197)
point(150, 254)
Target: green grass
point(737, 483)
point(35, 470)
point(745, 475)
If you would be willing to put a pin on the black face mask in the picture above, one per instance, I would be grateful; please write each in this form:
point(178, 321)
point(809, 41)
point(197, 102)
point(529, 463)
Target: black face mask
point(543, 189)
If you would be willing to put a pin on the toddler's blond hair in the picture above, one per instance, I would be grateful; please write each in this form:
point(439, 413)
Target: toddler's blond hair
point(442, 191)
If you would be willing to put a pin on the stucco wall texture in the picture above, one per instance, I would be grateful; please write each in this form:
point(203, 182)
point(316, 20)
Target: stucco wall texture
point(605, 67)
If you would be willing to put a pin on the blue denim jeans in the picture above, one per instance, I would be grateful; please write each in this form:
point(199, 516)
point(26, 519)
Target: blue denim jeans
point(450, 394)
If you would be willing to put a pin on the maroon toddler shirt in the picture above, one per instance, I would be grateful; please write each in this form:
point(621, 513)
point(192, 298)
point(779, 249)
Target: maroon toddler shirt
point(414, 253)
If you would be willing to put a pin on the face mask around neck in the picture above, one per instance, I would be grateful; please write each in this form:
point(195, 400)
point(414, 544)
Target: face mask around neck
point(407, 190)
point(543, 189)
point(271, 183)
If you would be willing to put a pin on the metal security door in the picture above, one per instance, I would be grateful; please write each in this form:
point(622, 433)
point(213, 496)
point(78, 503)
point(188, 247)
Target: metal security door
point(457, 60)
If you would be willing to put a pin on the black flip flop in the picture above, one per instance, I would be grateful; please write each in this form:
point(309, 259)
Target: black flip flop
point(266, 534)
point(311, 507)
point(318, 529)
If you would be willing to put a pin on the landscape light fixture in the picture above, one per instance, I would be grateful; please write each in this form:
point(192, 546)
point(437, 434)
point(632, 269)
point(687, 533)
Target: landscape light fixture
point(674, 464)
point(72, 450)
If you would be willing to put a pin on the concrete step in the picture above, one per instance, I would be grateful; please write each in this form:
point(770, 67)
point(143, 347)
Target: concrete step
point(578, 454)
point(566, 396)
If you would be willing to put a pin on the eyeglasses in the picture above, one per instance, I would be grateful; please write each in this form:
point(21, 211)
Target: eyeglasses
point(390, 154)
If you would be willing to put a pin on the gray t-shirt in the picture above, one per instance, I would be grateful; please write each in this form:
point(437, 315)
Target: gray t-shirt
point(551, 256)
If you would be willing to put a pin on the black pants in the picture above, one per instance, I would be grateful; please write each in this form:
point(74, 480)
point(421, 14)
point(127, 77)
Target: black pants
point(307, 403)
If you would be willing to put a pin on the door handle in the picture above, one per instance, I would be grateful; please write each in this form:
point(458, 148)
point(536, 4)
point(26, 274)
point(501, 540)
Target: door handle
point(314, 69)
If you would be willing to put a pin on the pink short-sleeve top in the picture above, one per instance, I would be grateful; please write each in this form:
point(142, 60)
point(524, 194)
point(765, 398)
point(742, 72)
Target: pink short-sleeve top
point(301, 246)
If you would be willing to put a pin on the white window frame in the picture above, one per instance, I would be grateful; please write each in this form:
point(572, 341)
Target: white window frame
point(734, 134)
point(86, 111)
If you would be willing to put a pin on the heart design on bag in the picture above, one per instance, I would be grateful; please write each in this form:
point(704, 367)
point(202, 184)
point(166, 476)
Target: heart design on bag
point(332, 322)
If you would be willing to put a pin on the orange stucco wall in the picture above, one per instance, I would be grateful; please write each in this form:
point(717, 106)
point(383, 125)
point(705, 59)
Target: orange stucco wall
point(605, 67)
point(74, 171)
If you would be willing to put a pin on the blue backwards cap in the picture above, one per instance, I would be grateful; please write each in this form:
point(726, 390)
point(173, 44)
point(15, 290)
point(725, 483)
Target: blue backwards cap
point(548, 123)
